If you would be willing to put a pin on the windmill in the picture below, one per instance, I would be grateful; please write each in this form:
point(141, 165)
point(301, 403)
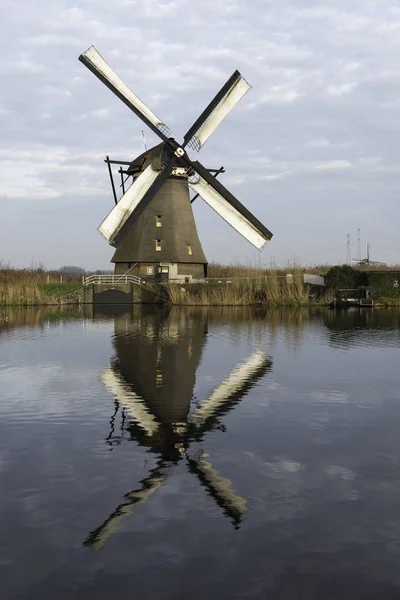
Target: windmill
point(152, 378)
point(152, 226)
point(367, 262)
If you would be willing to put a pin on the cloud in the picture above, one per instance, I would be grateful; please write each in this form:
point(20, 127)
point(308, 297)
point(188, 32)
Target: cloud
point(333, 164)
point(340, 90)
point(320, 123)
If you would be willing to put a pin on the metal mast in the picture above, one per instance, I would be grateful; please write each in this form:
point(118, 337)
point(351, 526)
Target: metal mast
point(358, 255)
point(348, 257)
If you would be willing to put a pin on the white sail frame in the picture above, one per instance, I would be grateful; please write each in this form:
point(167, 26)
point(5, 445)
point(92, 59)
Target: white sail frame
point(98, 63)
point(222, 110)
point(121, 212)
point(133, 404)
point(225, 210)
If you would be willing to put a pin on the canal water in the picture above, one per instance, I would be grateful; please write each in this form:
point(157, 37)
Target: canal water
point(202, 453)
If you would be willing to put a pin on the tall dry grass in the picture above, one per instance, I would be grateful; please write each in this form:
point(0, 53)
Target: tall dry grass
point(218, 270)
point(271, 290)
point(32, 294)
point(21, 294)
point(39, 275)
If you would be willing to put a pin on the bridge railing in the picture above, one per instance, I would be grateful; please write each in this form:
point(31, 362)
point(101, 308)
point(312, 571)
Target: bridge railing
point(111, 279)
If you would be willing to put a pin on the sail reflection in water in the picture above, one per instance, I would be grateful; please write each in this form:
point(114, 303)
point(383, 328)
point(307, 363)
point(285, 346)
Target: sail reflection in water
point(152, 379)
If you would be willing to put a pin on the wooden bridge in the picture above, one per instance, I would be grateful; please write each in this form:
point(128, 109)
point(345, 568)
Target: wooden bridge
point(111, 279)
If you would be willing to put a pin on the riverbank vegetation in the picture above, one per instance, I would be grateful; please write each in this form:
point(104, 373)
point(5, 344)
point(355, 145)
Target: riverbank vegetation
point(35, 286)
point(271, 289)
point(33, 294)
point(227, 285)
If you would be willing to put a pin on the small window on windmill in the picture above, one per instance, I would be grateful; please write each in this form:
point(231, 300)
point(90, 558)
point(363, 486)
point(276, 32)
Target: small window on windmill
point(158, 245)
point(189, 247)
point(159, 379)
point(158, 221)
point(150, 270)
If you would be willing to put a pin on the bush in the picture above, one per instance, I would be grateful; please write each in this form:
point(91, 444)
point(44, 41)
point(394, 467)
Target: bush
point(344, 276)
point(382, 284)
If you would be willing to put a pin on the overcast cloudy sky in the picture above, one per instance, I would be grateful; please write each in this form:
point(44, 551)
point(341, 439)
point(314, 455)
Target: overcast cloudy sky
point(312, 149)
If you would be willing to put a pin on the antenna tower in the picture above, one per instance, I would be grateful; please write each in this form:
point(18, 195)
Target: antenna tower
point(348, 256)
point(358, 256)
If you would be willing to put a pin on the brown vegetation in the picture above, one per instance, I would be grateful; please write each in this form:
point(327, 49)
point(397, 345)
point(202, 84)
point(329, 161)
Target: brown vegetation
point(32, 294)
point(272, 290)
point(11, 275)
point(228, 285)
point(217, 270)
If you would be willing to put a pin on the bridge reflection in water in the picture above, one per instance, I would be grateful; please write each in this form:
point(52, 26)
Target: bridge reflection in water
point(152, 378)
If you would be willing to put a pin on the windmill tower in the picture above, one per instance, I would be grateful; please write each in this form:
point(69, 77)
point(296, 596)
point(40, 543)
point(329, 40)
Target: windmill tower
point(152, 226)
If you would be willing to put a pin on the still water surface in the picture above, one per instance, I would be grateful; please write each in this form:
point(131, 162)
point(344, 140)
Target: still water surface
point(198, 453)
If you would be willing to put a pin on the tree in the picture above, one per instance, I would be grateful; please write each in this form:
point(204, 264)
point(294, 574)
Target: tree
point(71, 270)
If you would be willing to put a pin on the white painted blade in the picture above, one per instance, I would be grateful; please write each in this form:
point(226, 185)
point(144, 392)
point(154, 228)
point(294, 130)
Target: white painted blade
point(93, 59)
point(98, 538)
point(133, 404)
point(230, 386)
point(229, 101)
point(229, 213)
point(221, 486)
point(129, 201)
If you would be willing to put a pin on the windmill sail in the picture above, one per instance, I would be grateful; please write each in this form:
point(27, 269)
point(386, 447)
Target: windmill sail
point(234, 384)
point(150, 484)
point(135, 405)
point(219, 488)
point(226, 99)
point(144, 186)
point(229, 208)
point(93, 60)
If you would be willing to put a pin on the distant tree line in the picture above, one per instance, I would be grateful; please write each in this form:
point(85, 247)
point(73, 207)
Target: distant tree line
point(75, 271)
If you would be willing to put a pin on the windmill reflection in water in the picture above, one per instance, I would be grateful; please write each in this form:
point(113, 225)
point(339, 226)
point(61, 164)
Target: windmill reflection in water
point(152, 378)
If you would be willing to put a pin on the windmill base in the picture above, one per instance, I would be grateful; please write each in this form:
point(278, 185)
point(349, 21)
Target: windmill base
point(121, 294)
point(163, 271)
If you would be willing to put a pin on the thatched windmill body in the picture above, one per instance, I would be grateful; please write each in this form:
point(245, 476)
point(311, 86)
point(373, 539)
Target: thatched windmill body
point(152, 226)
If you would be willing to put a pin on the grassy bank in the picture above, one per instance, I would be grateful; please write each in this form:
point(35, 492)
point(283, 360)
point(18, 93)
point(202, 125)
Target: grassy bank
point(227, 285)
point(33, 294)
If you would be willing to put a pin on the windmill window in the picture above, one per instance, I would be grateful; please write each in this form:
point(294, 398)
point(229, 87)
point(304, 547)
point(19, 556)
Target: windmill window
point(158, 245)
point(189, 247)
point(150, 270)
point(158, 220)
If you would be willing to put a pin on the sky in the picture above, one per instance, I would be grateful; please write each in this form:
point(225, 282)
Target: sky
point(312, 149)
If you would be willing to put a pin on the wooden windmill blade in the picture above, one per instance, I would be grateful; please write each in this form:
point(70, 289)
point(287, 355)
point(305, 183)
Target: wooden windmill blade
point(222, 400)
point(232, 389)
point(134, 404)
point(93, 60)
point(150, 484)
point(228, 207)
point(219, 108)
point(142, 190)
point(219, 488)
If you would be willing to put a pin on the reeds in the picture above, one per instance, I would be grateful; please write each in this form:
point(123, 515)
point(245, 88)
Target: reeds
point(39, 275)
point(20, 294)
point(218, 270)
point(32, 294)
point(271, 290)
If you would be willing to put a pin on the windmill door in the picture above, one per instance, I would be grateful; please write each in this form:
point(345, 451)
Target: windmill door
point(163, 273)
